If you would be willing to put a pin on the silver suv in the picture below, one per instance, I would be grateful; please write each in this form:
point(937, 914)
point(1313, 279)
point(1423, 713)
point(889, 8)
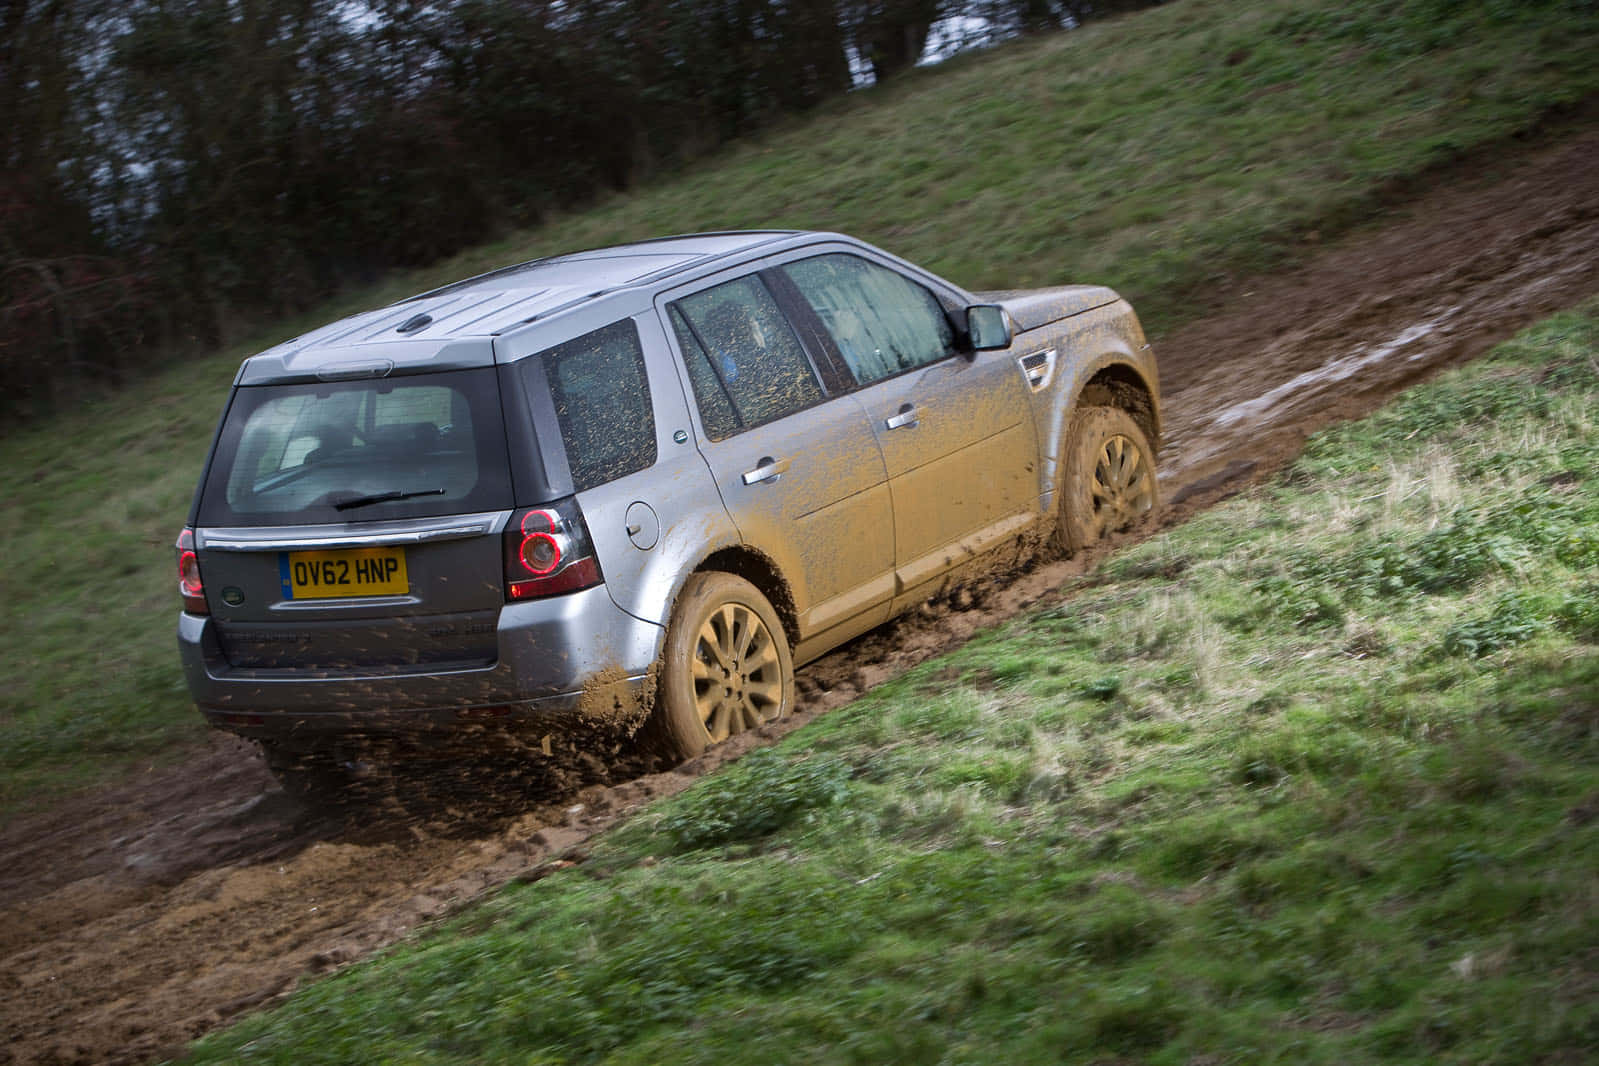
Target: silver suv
point(635, 487)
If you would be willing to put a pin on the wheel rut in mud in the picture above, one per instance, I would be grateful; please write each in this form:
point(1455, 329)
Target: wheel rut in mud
point(137, 918)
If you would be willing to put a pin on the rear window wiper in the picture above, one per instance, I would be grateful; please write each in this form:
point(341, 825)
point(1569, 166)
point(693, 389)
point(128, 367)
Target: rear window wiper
point(384, 497)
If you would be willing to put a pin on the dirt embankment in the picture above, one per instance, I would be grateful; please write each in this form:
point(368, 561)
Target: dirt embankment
point(138, 918)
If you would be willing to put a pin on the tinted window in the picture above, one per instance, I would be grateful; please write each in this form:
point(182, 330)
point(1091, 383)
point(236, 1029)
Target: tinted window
point(716, 407)
point(602, 400)
point(431, 444)
point(882, 322)
point(743, 359)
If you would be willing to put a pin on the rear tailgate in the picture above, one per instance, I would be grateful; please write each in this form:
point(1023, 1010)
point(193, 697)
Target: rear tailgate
point(355, 523)
point(418, 592)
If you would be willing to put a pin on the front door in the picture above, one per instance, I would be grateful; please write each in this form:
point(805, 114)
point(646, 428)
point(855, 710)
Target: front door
point(955, 429)
point(799, 471)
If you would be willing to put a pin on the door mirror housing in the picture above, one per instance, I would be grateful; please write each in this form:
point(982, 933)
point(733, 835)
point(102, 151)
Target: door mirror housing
point(988, 327)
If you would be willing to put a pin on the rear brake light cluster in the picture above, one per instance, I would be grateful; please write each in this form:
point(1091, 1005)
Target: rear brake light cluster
point(190, 586)
point(548, 552)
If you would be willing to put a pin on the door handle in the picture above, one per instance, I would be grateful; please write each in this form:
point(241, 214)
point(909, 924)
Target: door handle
point(768, 470)
point(908, 416)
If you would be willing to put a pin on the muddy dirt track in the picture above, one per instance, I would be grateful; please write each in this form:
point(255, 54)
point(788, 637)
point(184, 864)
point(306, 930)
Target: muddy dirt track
point(136, 919)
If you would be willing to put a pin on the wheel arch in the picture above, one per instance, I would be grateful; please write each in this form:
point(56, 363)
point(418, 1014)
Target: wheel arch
point(1121, 385)
point(759, 570)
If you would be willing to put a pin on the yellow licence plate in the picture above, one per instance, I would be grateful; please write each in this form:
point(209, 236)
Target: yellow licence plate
point(322, 575)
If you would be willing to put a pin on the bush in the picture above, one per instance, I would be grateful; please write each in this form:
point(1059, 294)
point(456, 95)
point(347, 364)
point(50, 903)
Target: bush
point(1515, 619)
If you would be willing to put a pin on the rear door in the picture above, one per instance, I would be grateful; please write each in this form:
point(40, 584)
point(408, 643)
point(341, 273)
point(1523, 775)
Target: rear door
point(354, 524)
point(956, 429)
point(799, 470)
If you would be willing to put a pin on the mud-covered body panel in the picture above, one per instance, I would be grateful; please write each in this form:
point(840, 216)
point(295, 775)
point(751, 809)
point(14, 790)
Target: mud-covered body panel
point(1031, 309)
point(1083, 333)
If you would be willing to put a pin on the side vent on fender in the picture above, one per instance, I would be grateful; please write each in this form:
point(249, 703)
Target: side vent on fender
point(1039, 368)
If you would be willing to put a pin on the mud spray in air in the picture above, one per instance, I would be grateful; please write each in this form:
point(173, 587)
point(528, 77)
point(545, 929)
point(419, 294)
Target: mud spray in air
point(136, 919)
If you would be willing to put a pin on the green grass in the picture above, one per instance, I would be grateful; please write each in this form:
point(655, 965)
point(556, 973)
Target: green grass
point(1250, 793)
point(1156, 153)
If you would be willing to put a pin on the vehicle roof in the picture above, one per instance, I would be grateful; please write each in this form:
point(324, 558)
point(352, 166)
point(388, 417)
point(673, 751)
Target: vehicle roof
point(452, 327)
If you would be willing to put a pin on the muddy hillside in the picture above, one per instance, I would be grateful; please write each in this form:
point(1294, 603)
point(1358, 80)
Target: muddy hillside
point(138, 918)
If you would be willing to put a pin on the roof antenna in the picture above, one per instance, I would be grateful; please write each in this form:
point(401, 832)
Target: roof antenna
point(414, 323)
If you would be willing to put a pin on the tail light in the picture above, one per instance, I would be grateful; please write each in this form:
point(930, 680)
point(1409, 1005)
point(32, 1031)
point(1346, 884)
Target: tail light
point(190, 587)
point(548, 552)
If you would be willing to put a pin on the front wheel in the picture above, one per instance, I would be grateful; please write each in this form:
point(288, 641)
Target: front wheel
point(1110, 477)
point(726, 667)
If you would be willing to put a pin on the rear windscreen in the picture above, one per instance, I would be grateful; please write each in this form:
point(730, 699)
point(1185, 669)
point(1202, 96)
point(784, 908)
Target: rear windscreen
point(408, 447)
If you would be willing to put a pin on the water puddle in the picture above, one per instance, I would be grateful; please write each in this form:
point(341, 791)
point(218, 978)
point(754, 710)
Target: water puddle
point(1252, 410)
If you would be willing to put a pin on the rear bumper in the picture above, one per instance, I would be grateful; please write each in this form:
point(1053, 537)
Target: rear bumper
point(565, 664)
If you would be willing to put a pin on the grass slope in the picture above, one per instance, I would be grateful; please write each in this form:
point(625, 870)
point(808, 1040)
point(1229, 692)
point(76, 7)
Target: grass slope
point(1312, 779)
point(1154, 153)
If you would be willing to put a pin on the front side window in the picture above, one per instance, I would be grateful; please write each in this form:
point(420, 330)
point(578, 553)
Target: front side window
point(602, 401)
point(744, 362)
point(318, 452)
point(883, 323)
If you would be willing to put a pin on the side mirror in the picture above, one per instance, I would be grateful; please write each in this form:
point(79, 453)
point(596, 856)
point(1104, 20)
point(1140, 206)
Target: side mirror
point(988, 326)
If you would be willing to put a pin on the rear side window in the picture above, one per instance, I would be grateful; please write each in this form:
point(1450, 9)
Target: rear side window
point(744, 362)
point(883, 323)
point(319, 452)
point(602, 400)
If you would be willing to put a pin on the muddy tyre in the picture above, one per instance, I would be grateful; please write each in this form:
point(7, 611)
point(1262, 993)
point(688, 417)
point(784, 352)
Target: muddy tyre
point(1110, 482)
point(726, 667)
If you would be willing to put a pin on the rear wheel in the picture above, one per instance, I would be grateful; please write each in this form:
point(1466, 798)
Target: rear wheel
point(726, 667)
point(314, 780)
point(1110, 477)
